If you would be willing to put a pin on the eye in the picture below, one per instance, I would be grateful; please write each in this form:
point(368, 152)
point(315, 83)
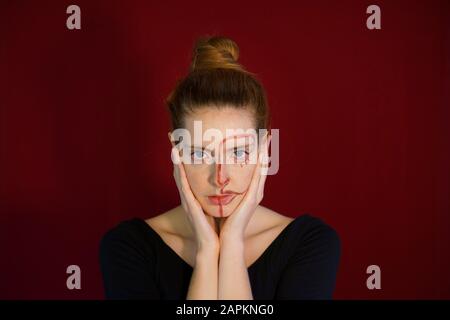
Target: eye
point(198, 154)
point(240, 153)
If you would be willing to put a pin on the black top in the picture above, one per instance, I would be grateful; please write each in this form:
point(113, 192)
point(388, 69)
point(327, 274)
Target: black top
point(300, 263)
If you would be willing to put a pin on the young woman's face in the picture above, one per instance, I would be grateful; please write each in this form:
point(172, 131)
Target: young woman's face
point(220, 185)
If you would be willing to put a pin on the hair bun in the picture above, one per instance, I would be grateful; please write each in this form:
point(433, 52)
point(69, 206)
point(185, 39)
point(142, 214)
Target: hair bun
point(215, 52)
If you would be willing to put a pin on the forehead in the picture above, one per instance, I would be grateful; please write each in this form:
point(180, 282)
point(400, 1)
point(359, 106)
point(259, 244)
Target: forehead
point(223, 119)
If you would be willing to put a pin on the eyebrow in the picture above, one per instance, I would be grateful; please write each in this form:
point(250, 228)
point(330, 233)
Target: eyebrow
point(245, 136)
point(234, 147)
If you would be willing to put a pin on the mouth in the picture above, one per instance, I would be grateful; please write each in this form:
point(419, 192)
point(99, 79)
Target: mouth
point(222, 199)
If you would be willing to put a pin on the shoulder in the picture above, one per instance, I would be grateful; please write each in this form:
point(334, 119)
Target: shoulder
point(307, 231)
point(126, 230)
point(168, 222)
point(268, 221)
point(128, 261)
point(311, 262)
point(305, 227)
point(313, 236)
point(128, 237)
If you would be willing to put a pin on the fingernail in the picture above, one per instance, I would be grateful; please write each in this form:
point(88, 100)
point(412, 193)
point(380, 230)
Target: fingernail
point(175, 156)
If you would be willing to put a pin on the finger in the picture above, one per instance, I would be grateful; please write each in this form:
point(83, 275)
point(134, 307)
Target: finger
point(188, 201)
point(185, 187)
point(176, 175)
point(261, 185)
point(262, 165)
point(175, 155)
point(250, 196)
point(265, 154)
point(265, 167)
point(179, 170)
point(255, 179)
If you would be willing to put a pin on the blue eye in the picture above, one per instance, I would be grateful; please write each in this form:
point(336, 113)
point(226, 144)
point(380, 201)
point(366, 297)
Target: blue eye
point(241, 153)
point(199, 154)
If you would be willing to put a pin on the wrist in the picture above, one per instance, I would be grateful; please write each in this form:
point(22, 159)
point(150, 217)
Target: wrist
point(234, 243)
point(207, 253)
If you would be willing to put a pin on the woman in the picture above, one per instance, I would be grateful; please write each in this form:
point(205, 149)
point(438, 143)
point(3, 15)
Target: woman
point(220, 243)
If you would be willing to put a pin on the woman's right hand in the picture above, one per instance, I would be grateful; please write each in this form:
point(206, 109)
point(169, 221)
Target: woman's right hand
point(206, 237)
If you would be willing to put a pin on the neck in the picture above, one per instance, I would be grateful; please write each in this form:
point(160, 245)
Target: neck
point(218, 223)
point(215, 222)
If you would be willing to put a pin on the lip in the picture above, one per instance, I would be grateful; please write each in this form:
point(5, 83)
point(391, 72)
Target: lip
point(225, 192)
point(222, 199)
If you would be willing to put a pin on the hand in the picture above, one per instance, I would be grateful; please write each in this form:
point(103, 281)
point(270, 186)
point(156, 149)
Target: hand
point(205, 236)
point(235, 225)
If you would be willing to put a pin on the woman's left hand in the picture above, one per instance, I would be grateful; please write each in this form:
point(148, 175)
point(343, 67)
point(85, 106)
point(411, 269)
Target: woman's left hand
point(235, 225)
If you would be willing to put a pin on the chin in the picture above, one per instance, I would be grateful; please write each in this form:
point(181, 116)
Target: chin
point(215, 211)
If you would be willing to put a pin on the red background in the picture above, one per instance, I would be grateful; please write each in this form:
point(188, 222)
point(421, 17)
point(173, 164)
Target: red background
point(363, 118)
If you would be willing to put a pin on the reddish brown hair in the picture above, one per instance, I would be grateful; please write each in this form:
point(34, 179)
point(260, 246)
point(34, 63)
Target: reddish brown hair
point(217, 79)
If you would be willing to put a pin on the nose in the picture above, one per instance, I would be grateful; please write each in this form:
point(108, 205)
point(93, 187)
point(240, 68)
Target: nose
point(221, 175)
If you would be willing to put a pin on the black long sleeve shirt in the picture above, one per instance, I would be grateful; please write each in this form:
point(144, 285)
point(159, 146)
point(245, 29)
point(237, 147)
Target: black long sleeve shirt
point(300, 263)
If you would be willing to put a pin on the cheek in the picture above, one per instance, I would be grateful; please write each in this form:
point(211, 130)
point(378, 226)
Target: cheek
point(196, 176)
point(241, 176)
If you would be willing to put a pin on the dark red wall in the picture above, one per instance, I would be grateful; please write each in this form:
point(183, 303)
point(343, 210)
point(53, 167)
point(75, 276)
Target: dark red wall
point(363, 117)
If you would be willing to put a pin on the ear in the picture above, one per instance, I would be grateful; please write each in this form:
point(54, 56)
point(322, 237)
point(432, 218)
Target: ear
point(169, 134)
point(267, 138)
